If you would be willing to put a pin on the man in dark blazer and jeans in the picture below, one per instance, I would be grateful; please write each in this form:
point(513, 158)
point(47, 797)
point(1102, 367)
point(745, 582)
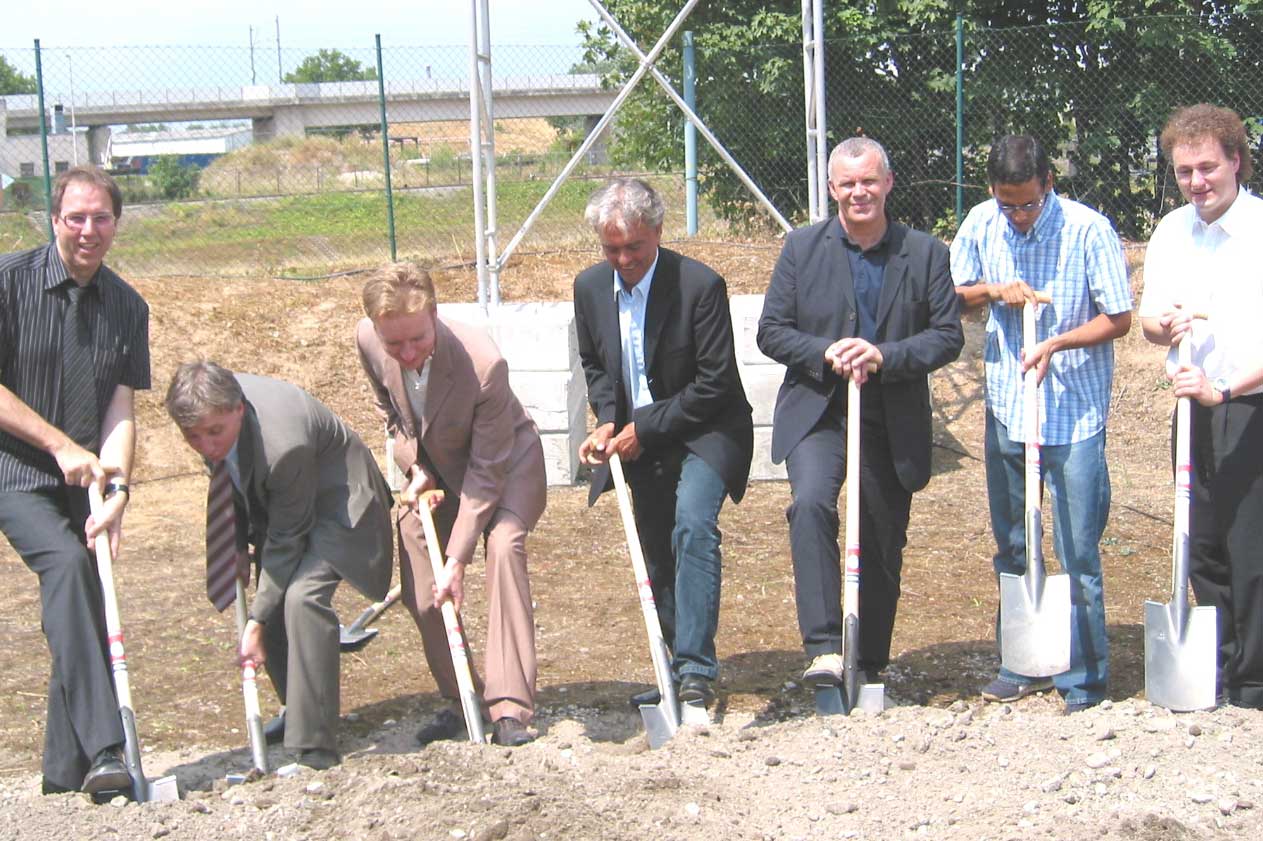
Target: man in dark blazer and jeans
point(655, 339)
point(865, 297)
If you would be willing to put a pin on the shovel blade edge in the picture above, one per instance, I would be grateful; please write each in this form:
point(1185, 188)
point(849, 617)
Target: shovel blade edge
point(1035, 628)
point(658, 725)
point(1180, 664)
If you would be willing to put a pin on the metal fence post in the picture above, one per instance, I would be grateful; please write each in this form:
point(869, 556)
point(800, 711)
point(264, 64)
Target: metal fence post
point(690, 136)
point(960, 118)
point(43, 142)
point(381, 101)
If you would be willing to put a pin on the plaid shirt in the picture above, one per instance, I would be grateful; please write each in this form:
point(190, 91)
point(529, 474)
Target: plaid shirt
point(1073, 254)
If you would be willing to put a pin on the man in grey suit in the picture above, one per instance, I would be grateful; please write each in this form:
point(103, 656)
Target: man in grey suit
point(860, 296)
point(318, 512)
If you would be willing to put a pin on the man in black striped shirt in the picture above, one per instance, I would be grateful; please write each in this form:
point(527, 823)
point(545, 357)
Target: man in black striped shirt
point(63, 428)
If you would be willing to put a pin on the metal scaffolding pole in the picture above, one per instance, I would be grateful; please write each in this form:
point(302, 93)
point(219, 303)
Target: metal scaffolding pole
point(488, 152)
point(817, 126)
point(475, 150)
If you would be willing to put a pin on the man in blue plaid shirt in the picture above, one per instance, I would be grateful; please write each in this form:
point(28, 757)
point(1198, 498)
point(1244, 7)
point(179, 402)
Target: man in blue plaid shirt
point(1027, 239)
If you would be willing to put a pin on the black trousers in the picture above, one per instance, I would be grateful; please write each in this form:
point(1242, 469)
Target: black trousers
point(817, 470)
point(46, 530)
point(1226, 537)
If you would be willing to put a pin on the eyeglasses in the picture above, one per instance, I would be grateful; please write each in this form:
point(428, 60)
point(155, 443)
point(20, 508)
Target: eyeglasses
point(78, 220)
point(1029, 207)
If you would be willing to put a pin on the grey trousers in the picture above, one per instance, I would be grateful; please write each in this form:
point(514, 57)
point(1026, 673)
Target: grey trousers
point(46, 530)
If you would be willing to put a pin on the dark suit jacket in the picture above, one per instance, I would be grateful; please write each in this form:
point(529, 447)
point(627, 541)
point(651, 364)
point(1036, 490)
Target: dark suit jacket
point(301, 466)
point(690, 364)
point(810, 304)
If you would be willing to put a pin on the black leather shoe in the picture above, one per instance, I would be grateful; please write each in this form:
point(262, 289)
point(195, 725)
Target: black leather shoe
point(49, 787)
point(107, 773)
point(446, 725)
point(696, 689)
point(274, 730)
point(319, 759)
point(510, 732)
point(650, 698)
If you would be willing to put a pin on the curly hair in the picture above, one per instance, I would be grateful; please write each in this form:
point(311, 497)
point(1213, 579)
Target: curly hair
point(1203, 120)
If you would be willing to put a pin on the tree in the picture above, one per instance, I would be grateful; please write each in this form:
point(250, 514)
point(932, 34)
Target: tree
point(173, 179)
point(12, 81)
point(1094, 79)
point(330, 66)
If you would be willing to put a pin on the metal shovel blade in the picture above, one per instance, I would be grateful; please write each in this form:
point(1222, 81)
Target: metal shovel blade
point(659, 724)
point(1180, 667)
point(351, 638)
point(1035, 627)
point(163, 788)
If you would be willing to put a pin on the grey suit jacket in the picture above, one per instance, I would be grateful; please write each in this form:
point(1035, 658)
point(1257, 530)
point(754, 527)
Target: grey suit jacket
point(302, 467)
point(811, 303)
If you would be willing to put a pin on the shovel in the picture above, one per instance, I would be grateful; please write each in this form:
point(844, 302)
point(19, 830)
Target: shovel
point(250, 693)
point(143, 790)
point(355, 636)
point(832, 699)
point(1181, 645)
point(1034, 607)
point(663, 718)
point(455, 635)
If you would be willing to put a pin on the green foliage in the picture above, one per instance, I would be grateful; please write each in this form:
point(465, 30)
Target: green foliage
point(330, 66)
point(12, 81)
point(1093, 79)
point(173, 179)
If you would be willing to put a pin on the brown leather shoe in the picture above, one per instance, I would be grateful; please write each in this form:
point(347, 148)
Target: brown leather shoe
point(510, 732)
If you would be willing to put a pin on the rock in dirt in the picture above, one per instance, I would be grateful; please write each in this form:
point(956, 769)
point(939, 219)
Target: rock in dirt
point(496, 832)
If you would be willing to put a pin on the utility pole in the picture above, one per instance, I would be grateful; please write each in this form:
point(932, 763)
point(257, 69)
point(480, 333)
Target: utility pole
point(280, 77)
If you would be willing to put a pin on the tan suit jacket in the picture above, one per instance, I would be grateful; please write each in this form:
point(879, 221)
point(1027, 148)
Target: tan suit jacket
point(476, 434)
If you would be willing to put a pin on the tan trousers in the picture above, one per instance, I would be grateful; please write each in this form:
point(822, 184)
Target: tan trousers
point(509, 689)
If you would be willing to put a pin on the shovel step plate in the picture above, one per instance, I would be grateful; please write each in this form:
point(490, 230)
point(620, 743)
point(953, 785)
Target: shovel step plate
point(1180, 669)
point(1035, 628)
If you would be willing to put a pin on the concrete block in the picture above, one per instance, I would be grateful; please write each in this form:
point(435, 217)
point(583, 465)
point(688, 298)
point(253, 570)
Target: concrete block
point(554, 399)
point(561, 455)
point(761, 383)
point(762, 467)
point(538, 336)
point(745, 311)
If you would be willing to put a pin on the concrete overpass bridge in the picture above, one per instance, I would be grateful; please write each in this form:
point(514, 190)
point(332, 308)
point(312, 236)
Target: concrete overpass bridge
point(292, 109)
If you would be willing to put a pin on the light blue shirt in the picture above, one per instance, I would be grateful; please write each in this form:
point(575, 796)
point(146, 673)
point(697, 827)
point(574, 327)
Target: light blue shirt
point(1073, 253)
point(632, 304)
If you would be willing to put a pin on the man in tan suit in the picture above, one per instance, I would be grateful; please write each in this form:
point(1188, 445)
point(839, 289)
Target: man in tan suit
point(443, 390)
point(309, 496)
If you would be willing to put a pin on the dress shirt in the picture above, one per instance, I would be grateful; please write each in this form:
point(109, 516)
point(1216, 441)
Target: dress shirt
point(868, 269)
point(632, 304)
point(1216, 269)
point(417, 384)
point(1073, 253)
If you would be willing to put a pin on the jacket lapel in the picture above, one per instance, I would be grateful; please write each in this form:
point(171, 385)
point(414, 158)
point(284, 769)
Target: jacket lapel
point(440, 384)
point(662, 298)
point(895, 274)
point(607, 327)
point(841, 282)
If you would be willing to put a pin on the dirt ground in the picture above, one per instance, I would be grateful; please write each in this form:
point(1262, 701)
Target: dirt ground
point(938, 764)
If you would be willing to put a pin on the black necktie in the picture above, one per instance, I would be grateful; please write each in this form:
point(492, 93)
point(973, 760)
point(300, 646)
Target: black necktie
point(79, 418)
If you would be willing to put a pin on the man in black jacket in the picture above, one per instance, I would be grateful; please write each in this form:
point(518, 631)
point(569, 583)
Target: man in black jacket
point(655, 339)
point(865, 297)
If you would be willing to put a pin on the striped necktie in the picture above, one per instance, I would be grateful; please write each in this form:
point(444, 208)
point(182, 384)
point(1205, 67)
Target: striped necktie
point(78, 379)
point(226, 559)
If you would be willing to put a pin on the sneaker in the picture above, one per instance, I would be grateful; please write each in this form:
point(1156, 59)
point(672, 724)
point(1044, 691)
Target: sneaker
point(1003, 691)
point(825, 668)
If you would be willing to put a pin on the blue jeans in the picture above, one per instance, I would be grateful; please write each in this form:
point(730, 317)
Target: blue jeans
point(1078, 483)
point(677, 497)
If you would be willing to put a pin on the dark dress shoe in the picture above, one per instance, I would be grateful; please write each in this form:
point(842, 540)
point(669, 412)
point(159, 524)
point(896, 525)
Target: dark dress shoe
point(696, 689)
point(319, 759)
point(108, 773)
point(274, 730)
point(510, 732)
point(50, 787)
point(648, 698)
point(446, 725)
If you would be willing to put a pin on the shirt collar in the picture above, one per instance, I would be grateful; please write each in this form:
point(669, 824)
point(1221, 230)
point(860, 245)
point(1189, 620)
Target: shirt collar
point(854, 246)
point(645, 282)
point(1234, 221)
point(56, 274)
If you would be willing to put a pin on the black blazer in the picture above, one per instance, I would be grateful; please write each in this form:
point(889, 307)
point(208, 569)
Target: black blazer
point(810, 304)
point(690, 364)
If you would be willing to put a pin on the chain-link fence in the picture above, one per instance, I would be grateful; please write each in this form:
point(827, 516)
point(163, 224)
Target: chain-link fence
point(240, 160)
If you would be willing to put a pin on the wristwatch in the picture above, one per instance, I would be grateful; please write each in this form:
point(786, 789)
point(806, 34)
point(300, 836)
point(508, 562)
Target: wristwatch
point(1221, 385)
